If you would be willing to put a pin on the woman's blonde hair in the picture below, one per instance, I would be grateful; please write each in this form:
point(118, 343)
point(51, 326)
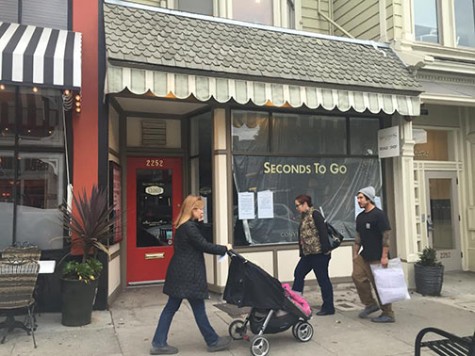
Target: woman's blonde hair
point(186, 211)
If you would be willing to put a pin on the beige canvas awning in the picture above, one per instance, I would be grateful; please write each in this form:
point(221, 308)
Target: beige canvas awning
point(204, 88)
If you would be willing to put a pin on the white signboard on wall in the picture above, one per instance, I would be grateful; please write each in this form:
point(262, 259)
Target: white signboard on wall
point(388, 142)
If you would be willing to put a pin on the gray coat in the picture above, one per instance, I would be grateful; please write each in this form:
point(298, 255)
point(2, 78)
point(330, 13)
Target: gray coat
point(186, 274)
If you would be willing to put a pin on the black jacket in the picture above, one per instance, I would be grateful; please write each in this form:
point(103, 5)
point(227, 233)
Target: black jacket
point(186, 274)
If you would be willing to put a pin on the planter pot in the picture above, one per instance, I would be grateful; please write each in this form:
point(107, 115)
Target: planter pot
point(77, 300)
point(429, 279)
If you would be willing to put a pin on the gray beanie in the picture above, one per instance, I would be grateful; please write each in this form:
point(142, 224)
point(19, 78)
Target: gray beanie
point(368, 192)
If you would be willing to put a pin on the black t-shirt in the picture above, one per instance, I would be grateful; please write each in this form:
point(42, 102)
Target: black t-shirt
point(371, 225)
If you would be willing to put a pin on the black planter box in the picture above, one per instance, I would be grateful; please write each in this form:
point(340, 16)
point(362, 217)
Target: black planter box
point(429, 279)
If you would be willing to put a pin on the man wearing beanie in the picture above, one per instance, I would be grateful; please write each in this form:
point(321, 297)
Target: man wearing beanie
point(372, 233)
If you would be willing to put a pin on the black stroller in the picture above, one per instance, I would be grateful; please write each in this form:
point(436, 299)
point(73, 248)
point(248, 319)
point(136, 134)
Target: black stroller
point(271, 312)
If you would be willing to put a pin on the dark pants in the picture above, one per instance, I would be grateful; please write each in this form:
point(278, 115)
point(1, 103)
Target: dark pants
point(198, 307)
point(319, 264)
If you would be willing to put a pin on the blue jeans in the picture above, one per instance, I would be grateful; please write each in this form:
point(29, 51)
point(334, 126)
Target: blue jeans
point(319, 264)
point(198, 307)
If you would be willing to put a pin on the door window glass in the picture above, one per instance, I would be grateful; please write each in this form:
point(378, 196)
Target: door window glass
point(154, 207)
point(465, 22)
point(426, 21)
point(441, 213)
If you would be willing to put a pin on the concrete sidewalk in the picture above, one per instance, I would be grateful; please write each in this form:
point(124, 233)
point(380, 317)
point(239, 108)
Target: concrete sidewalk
point(127, 328)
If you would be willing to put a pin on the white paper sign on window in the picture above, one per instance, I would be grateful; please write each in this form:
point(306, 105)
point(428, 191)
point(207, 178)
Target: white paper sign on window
point(265, 205)
point(246, 206)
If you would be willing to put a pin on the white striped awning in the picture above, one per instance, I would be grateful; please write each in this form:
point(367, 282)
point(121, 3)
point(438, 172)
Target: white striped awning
point(40, 56)
point(204, 88)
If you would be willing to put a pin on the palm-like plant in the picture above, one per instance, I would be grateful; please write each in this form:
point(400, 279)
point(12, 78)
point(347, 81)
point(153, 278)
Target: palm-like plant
point(90, 228)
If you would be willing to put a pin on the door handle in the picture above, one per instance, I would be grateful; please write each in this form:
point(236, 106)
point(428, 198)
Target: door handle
point(154, 256)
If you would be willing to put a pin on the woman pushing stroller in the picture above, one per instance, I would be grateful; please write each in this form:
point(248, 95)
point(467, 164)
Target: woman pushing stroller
point(186, 278)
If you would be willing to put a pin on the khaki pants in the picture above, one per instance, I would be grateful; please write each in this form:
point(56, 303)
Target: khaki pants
point(363, 279)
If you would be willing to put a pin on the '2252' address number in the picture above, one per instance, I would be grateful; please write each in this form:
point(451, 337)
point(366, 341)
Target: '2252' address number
point(154, 163)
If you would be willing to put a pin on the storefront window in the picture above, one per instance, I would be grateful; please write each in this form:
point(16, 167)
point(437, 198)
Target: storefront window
point(250, 131)
point(331, 182)
point(302, 134)
point(308, 154)
point(426, 20)
point(34, 116)
point(7, 180)
point(39, 192)
point(465, 22)
point(31, 167)
point(362, 139)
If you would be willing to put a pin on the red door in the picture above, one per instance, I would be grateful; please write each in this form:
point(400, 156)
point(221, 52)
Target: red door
point(154, 195)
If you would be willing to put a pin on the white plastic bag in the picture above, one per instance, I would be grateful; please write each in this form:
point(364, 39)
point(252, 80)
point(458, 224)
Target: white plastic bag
point(390, 282)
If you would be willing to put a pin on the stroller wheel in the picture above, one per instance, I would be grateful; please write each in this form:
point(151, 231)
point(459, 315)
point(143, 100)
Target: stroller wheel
point(259, 346)
point(237, 330)
point(303, 331)
point(294, 329)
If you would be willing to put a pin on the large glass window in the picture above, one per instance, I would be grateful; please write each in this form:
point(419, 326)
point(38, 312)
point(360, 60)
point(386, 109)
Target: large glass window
point(202, 168)
point(302, 133)
point(44, 13)
point(204, 7)
point(360, 142)
point(291, 13)
point(326, 157)
point(34, 116)
point(250, 131)
point(426, 20)
point(465, 22)
point(255, 11)
point(31, 167)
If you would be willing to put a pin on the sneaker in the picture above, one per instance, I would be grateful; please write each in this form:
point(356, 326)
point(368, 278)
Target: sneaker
point(163, 350)
point(383, 319)
point(368, 310)
point(222, 344)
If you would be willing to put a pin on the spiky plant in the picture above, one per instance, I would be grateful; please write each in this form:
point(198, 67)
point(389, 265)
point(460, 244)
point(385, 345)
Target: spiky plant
point(428, 257)
point(91, 227)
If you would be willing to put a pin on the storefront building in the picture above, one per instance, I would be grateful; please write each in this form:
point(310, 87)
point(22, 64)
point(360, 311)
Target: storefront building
point(436, 40)
point(248, 116)
point(49, 109)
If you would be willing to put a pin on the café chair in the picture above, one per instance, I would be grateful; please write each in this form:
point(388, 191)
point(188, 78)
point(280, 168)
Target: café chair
point(17, 284)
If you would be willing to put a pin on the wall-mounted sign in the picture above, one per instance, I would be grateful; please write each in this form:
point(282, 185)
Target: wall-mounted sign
point(388, 142)
point(154, 190)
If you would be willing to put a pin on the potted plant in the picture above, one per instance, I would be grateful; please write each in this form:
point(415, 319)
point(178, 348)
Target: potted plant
point(90, 228)
point(429, 273)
